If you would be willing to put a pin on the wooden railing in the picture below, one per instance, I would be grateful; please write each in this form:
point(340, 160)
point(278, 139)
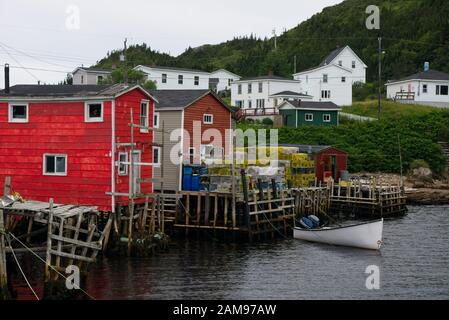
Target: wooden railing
point(243, 113)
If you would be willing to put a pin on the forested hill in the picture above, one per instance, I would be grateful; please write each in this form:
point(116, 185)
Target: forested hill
point(414, 31)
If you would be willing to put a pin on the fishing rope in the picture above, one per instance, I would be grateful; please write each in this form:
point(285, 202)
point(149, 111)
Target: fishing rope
point(45, 262)
point(20, 268)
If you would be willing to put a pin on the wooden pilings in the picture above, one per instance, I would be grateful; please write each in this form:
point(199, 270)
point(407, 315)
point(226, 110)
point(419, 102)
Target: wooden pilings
point(4, 292)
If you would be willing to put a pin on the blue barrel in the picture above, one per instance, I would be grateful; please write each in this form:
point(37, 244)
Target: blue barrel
point(195, 183)
point(188, 170)
point(187, 183)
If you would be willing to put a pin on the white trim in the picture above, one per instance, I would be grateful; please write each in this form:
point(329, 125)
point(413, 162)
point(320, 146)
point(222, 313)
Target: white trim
point(87, 118)
point(147, 122)
point(131, 189)
point(126, 171)
point(113, 156)
point(292, 107)
point(56, 155)
point(11, 119)
point(159, 160)
point(330, 117)
point(208, 115)
point(416, 80)
point(175, 70)
point(308, 114)
point(156, 126)
point(181, 153)
point(305, 72)
point(226, 71)
point(266, 80)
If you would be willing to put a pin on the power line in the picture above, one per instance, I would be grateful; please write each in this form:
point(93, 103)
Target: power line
point(26, 70)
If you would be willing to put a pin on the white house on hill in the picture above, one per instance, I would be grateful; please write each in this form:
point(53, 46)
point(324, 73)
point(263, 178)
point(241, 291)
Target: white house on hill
point(89, 76)
point(222, 79)
point(171, 78)
point(264, 93)
point(429, 87)
point(332, 80)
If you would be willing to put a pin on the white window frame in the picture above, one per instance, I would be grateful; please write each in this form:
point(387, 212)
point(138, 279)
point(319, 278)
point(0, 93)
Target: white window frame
point(250, 104)
point(44, 164)
point(164, 78)
point(260, 87)
point(239, 89)
point(192, 155)
point(340, 63)
point(260, 103)
point(159, 158)
point(147, 121)
point(310, 116)
point(353, 64)
point(86, 112)
point(250, 88)
point(327, 115)
point(122, 173)
point(425, 88)
point(343, 79)
point(99, 78)
point(10, 113)
point(180, 79)
point(325, 94)
point(325, 78)
point(196, 80)
point(158, 117)
point(439, 91)
point(211, 118)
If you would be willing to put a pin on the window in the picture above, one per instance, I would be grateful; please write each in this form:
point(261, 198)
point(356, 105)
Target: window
point(250, 104)
point(260, 103)
point(156, 156)
point(353, 64)
point(82, 79)
point(326, 94)
point(240, 89)
point(55, 164)
point(326, 117)
point(340, 63)
point(18, 112)
point(424, 88)
point(343, 79)
point(442, 90)
point(99, 79)
point(144, 116)
point(180, 79)
point(309, 117)
point(239, 103)
point(325, 78)
point(122, 166)
point(93, 112)
point(229, 82)
point(250, 88)
point(260, 87)
point(164, 78)
point(191, 155)
point(208, 119)
point(197, 80)
point(307, 79)
point(156, 120)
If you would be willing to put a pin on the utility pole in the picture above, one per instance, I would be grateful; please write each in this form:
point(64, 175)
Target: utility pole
point(379, 106)
point(125, 67)
point(275, 39)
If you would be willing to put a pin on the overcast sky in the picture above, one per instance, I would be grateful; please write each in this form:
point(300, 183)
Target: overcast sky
point(49, 34)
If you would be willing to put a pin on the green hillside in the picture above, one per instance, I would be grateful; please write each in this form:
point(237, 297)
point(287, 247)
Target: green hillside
point(414, 31)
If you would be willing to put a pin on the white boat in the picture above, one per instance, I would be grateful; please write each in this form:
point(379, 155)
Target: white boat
point(365, 235)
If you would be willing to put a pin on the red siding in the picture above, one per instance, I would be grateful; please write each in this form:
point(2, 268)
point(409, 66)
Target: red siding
point(323, 157)
point(222, 121)
point(59, 127)
point(143, 140)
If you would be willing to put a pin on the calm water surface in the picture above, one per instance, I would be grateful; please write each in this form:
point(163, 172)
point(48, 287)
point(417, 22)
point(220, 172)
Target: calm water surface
point(414, 264)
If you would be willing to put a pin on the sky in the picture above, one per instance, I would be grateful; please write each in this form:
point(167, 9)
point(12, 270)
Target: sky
point(52, 37)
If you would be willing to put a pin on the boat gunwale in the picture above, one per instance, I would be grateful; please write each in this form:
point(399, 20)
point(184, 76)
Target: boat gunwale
point(339, 228)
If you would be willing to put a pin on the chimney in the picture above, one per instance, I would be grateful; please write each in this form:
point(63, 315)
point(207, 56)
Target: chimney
point(6, 78)
point(426, 66)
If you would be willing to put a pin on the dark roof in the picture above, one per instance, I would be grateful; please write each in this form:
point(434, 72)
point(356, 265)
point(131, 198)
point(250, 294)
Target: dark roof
point(63, 90)
point(426, 75)
point(313, 104)
point(272, 77)
point(180, 99)
point(176, 69)
point(290, 93)
point(331, 56)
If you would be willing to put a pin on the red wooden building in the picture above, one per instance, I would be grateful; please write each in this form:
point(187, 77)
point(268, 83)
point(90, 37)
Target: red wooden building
point(205, 122)
point(69, 142)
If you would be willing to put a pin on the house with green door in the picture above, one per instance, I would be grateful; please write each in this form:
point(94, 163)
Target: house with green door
point(297, 113)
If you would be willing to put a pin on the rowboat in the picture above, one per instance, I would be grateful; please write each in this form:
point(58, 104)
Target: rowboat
point(366, 235)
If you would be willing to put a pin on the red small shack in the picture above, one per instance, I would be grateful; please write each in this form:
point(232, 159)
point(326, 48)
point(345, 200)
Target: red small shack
point(327, 159)
point(73, 142)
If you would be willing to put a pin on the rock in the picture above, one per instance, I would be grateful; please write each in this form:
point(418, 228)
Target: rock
point(422, 175)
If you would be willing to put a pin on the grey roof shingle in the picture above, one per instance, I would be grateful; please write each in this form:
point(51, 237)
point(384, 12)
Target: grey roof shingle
point(175, 69)
point(313, 105)
point(331, 56)
point(426, 75)
point(269, 77)
point(63, 90)
point(291, 93)
point(179, 99)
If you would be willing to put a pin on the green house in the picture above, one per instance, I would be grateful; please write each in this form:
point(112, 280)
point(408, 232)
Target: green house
point(297, 113)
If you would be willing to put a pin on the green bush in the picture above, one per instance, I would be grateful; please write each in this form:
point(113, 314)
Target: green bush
point(419, 163)
point(267, 122)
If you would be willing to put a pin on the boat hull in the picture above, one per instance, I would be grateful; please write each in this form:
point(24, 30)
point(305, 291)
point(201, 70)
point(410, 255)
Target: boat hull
point(364, 236)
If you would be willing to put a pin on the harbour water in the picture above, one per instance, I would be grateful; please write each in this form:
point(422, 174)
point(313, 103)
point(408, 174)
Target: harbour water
point(413, 264)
